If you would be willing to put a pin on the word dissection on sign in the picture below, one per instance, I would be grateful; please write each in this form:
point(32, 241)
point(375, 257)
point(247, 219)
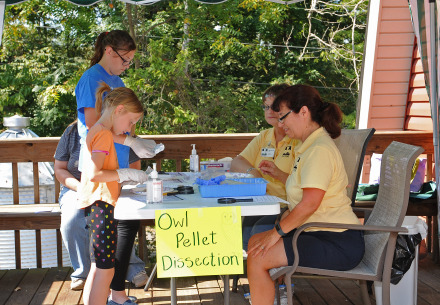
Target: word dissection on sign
point(200, 241)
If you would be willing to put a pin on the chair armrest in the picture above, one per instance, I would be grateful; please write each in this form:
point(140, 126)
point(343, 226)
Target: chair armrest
point(291, 269)
point(349, 227)
point(362, 209)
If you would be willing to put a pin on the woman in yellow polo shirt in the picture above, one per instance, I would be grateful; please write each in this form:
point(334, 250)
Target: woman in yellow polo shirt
point(316, 191)
point(271, 144)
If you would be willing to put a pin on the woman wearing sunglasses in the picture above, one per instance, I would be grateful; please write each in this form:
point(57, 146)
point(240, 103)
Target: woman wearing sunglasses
point(316, 191)
point(271, 144)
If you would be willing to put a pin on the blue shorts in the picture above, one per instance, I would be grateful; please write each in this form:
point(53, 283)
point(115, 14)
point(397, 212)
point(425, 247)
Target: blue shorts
point(326, 249)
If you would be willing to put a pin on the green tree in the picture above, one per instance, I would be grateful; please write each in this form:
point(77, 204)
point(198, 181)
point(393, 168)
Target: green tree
point(199, 68)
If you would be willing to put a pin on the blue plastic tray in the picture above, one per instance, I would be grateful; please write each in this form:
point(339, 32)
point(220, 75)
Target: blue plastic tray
point(251, 187)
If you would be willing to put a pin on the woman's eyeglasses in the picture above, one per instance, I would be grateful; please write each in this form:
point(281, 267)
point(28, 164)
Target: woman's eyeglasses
point(124, 61)
point(265, 107)
point(281, 119)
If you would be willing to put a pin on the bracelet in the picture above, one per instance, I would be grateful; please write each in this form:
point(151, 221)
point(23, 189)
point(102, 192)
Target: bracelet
point(250, 169)
point(279, 230)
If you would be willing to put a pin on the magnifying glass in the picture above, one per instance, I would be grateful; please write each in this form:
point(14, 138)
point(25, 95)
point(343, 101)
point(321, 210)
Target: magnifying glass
point(184, 189)
point(233, 200)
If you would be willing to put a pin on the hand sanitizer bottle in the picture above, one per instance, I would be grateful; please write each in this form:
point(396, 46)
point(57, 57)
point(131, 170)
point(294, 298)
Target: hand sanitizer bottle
point(194, 160)
point(154, 187)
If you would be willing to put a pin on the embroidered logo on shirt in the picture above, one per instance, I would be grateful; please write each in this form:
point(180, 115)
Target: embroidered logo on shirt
point(287, 151)
point(296, 164)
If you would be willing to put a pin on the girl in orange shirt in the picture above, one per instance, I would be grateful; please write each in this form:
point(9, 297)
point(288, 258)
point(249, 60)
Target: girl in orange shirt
point(100, 183)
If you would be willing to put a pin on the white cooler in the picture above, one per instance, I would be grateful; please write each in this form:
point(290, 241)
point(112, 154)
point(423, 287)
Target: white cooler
point(405, 292)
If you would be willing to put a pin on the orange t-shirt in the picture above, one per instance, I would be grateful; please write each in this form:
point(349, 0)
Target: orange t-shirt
point(100, 139)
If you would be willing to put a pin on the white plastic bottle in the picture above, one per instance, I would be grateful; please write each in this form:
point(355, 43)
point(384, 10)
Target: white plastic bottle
point(194, 160)
point(154, 187)
point(283, 294)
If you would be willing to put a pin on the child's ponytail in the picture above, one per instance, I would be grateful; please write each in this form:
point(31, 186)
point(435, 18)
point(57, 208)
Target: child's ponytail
point(102, 89)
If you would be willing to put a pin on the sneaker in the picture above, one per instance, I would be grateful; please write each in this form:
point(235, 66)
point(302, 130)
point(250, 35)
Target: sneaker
point(77, 283)
point(140, 279)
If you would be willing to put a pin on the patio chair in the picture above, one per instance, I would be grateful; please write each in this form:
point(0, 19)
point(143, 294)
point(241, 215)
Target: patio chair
point(380, 230)
point(352, 144)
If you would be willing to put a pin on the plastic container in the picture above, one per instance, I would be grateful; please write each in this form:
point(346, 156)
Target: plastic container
point(283, 295)
point(405, 292)
point(154, 187)
point(194, 160)
point(250, 187)
point(224, 165)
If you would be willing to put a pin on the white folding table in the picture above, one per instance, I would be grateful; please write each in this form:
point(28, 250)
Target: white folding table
point(132, 205)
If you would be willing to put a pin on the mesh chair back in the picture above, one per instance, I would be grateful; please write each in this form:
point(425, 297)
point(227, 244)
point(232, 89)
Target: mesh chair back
point(352, 144)
point(392, 200)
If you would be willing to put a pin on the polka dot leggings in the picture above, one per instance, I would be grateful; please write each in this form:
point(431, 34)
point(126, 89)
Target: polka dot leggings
point(103, 233)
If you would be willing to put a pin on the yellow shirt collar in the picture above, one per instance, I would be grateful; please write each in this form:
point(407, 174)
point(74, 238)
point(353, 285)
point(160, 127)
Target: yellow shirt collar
point(300, 148)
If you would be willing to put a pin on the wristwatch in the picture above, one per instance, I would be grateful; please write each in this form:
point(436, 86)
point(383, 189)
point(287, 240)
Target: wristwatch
point(279, 230)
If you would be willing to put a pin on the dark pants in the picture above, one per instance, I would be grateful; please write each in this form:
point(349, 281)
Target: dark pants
point(103, 232)
point(327, 250)
point(127, 230)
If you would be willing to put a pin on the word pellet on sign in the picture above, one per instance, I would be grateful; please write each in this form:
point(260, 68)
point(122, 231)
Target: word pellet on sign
point(200, 241)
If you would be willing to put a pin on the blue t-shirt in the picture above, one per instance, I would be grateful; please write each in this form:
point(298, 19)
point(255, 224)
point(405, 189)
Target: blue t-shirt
point(86, 89)
point(85, 98)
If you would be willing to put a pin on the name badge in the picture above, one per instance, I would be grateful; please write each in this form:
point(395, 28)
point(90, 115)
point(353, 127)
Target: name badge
point(268, 152)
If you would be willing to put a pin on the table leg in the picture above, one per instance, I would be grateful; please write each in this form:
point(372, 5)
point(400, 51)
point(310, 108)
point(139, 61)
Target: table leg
point(151, 278)
point(173, 289)
point(226, 288)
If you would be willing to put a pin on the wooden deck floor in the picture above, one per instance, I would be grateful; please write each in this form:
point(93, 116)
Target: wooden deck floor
point(51, 286)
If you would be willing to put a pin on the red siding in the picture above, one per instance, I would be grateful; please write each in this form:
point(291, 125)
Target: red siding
point(418, 111)
point(392, 68)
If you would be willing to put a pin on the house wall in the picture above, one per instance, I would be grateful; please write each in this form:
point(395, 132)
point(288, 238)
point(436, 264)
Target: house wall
point(392, 66)
point(389, 81)
point(418, 111)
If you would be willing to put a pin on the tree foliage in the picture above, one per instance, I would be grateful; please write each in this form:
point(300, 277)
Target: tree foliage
point(199, 68)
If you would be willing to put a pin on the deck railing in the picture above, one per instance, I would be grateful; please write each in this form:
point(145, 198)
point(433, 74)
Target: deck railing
point(178, 148)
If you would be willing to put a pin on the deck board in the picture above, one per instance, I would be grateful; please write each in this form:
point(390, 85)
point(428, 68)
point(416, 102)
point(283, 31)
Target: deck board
point(210, 291)
point(10, 284)
point(350, 289)
point(52, 286)
point(305, 294)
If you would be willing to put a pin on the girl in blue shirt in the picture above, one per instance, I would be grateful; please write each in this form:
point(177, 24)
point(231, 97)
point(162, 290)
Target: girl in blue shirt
point(114, 53)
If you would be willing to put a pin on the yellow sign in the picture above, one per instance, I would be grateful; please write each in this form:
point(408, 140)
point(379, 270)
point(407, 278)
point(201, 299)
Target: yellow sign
point(200, 241)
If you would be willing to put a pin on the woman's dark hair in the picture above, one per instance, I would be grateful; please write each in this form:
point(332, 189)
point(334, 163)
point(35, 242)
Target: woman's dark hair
point(327, 115)
point(274, 91)
point(116, 39)
point(74, 123)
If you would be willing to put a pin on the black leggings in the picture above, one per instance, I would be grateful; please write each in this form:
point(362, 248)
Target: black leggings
point(103, 232)
point(127, 230)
